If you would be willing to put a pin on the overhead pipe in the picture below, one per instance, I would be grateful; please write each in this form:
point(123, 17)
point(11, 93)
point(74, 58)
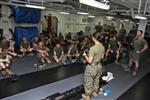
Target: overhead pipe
point(124, 3)
point(124, 10)
point(17, 1)
point(145, 6)
point(128, 5)
point(132, 13)
point(140, 2)
point(10, 3)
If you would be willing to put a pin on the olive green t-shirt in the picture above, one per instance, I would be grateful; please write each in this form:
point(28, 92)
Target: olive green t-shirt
point(122, 33)
point(25, 45)
point(84, 41)
point(3, 55)
point(106, 43)
point(139, 43)
point(88, 43)
point(5, 45)
point(113, 45)
point(73, 51)
point(58, 51)
point(96, 52)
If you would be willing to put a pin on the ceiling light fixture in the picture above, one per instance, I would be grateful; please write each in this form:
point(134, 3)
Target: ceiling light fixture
point(131, 22)
point(82, 13)
point(109, 17)
point(126, 20)
point(122, 21)
point(95, 4)
point(91, 16)
point(34, 6)
point(65, 13)
point(140, 17)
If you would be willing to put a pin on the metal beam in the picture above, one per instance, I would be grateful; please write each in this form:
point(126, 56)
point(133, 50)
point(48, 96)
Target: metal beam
point(145, 6)
point(140, 2)
point(124, 3)
point(124, 11)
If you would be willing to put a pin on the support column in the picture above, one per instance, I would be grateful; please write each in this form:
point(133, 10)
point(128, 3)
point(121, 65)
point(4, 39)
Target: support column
point(142, 25)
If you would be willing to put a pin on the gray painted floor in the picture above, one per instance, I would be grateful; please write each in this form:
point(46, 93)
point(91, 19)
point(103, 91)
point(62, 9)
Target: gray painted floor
point(122, 82)
point(26, 65)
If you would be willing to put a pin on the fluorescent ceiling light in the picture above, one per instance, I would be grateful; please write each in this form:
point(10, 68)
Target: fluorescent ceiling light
point(140, 17)
point(126, 20)
point(121, 20)
point(65, 13)
point(109, 17)
point(91, 16)
point(82, 13)
point(131, 22)
point(95, 4)
point(34, 6)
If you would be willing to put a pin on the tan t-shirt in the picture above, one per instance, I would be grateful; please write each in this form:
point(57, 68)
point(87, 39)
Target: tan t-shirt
point(96, 52)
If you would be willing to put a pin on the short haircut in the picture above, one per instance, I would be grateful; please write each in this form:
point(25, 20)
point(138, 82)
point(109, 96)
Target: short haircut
point(141, 31)
point(97, 36)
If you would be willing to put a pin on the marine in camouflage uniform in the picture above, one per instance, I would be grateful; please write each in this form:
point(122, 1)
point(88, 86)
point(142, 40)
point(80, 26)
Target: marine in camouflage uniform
point(3, 61)
point(7, 49)
point(114, 47)
point(58, 53)
point(139, 45)
point(73, 53)
point(93, 70)
point(25, 46)
point(122, 33)
point(35, 43)
point(86, 43)
point(5, 45)
point(42, 53)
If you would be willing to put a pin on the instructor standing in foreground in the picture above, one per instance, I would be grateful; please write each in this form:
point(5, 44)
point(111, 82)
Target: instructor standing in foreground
point(93, 70)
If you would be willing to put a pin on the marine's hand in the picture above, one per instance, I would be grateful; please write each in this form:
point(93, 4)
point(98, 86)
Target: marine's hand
point(137, 51)
point(84, 54)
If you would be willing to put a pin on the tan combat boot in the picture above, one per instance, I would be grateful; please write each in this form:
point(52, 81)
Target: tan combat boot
point(85, 97)
point(94, 94)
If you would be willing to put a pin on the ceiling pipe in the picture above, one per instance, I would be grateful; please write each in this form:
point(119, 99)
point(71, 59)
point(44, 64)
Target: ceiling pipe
point(140, 2)
point(124, 3)
point(132, 13)
point(60, 5)
point(125, 11)
point(146, 6)
point(17, 1)
point(23, 4)
point(10, 3)
point(128, 5)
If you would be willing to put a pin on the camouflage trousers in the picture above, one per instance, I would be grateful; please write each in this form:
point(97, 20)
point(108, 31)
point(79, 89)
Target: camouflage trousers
point(91, 78)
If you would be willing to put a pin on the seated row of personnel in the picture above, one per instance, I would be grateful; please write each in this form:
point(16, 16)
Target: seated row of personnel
point(42, 51)
point(43, 46)
point(6, 54)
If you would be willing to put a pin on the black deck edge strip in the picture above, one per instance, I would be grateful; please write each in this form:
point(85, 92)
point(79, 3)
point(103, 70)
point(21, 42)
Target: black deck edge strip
point(36, 79)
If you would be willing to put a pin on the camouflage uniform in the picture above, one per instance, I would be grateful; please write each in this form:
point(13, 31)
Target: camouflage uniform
point(93, 71)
